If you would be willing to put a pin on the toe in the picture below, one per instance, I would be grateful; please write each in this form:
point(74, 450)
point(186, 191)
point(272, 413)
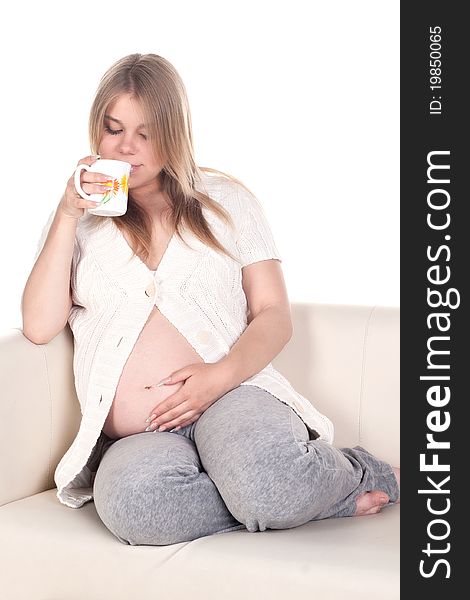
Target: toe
point(371, 503)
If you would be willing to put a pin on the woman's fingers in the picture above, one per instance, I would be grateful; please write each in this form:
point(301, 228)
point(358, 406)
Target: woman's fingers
point(95, 183)
point(182, 420)
point(72, 204)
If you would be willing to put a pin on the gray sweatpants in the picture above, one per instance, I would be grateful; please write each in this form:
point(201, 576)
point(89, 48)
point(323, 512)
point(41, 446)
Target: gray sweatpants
point(248, 462)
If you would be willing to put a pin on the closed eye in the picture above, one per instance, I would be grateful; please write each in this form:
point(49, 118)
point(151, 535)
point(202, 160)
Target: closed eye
point(117, 131)
point(112, 131)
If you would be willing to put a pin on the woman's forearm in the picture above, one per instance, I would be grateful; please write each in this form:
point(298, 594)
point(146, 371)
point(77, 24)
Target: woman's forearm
point(262, 340)
point(46, 300)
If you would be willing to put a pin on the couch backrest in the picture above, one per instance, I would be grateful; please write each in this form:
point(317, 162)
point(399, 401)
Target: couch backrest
point(345, 360)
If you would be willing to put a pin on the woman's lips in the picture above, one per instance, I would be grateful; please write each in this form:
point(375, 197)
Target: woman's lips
point(134, 168)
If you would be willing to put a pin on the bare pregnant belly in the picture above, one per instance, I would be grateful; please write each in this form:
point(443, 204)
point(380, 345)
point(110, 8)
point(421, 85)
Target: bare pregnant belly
point(159, 350)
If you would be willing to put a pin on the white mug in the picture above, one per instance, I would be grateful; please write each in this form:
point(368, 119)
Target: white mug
point(113, 203)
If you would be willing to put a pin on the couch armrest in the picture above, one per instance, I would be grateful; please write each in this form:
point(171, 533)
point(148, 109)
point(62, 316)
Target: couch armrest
point(39, 411)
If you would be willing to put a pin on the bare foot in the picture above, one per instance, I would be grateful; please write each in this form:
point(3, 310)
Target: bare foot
point(370, 503)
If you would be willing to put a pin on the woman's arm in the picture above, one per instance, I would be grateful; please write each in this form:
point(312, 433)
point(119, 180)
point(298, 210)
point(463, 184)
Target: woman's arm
point(46, 299)
point(47, 296)
point(269, 323)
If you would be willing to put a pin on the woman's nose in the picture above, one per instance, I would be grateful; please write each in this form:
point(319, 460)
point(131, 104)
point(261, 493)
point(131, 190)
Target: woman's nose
point(126, 145)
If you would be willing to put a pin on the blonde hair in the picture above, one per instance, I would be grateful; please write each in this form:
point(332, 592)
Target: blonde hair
point(162, 95)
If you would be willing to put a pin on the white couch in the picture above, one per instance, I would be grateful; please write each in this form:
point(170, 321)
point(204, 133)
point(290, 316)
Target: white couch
point(345, 359)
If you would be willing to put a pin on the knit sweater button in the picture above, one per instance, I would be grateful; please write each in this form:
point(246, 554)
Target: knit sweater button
point(150, 290)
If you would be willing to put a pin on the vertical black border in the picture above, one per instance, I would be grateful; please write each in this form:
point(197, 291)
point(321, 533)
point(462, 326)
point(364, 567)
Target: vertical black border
point(422, 133)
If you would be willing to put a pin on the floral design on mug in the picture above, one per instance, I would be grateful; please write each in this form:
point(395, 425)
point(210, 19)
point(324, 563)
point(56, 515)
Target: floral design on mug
point(114, 184)
point(124, 186)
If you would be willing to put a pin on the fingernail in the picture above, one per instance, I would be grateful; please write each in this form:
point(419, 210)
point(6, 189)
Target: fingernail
point(150, 418)
point(163, 381)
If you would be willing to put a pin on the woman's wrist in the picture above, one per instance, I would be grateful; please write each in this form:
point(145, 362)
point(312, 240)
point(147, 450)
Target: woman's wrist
point(228, 372)
point(62, 216)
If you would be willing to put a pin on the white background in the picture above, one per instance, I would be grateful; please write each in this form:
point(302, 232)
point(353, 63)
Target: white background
point(298, 99)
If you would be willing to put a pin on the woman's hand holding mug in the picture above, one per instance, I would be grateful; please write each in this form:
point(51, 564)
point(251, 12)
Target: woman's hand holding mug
point(114, 201)
point(72, 204)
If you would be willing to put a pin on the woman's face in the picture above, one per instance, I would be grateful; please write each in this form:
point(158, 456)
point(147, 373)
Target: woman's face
point(125, 137)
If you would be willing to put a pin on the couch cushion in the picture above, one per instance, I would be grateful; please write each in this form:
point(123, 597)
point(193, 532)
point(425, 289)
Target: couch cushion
point(51, 552)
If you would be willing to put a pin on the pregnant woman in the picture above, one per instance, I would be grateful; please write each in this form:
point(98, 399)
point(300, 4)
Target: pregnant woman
point(177, 309)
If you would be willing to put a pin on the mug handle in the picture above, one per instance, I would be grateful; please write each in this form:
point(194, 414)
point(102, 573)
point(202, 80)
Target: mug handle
point(76, 180)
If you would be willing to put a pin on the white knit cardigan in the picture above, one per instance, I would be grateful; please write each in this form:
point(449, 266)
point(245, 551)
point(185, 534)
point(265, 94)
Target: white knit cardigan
point(196, 288)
